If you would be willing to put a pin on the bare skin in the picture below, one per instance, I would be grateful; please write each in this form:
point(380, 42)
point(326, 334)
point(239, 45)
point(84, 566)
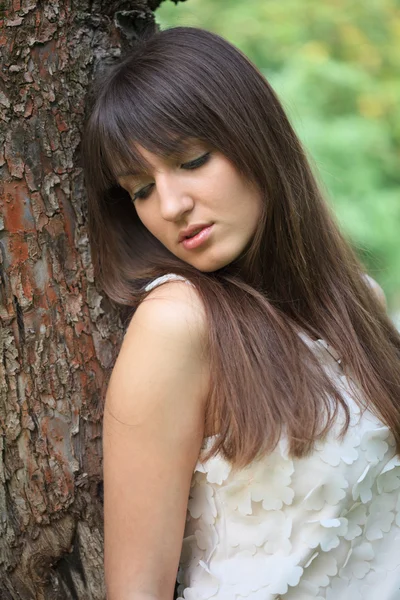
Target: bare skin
point(153, 431)
point(380, 294)
point(177, 194)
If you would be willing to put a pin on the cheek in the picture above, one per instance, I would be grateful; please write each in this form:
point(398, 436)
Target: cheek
point(258, 207)
point(255, 201)
point(249, 208)
point(241, 196)
point(147, 218)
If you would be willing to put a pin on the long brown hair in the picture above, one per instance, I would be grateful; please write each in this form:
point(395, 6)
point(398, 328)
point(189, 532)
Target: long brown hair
point(299, 274)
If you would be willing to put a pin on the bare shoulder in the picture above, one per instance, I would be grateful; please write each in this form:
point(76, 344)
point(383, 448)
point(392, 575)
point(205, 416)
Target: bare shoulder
point(165, 348)
point(376, 288)
point(174, 308)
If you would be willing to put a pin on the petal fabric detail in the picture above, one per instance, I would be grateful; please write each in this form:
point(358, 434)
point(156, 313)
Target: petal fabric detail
point(358, 563)
point(389, 479)
point(374, 444)
point(324, 527)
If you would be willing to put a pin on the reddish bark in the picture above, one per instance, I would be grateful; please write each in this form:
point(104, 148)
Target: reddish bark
point(58, 336)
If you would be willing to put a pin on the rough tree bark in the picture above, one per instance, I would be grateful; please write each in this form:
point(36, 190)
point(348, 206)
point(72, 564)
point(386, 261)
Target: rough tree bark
point(58, 336)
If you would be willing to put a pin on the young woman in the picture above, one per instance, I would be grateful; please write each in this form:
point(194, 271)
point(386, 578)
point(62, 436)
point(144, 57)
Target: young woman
point(252, 421)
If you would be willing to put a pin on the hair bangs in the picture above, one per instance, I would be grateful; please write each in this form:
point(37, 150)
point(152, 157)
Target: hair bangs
point(132, 115)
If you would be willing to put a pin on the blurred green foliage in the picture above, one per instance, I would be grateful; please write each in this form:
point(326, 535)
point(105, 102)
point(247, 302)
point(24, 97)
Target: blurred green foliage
point(335, 67)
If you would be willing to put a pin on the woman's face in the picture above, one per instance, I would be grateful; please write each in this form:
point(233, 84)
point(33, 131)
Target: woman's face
point(201, 189)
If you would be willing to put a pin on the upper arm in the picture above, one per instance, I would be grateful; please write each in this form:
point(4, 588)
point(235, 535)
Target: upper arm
point(376, 288)
point(152, 434)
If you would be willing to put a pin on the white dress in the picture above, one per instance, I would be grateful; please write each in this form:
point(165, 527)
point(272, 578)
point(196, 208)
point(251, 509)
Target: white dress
point(322, 527)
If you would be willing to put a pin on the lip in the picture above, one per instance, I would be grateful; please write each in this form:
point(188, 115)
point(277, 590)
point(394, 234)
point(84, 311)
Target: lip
point(197, 240)
point(189, 230)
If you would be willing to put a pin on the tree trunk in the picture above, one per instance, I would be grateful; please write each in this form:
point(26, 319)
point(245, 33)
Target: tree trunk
point(58, 336)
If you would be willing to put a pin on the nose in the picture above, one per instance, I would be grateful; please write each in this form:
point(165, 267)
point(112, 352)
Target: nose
point(174, 196)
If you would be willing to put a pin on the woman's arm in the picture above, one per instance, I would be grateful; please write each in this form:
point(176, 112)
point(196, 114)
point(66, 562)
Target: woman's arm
point(153, 430)
point(376, 288)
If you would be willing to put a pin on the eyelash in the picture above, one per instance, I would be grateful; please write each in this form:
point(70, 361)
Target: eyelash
point(193, 164)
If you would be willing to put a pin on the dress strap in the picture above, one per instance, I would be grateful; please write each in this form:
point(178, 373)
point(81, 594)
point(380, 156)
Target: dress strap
point(163, 279)
point(324, 350)
point(330, 350)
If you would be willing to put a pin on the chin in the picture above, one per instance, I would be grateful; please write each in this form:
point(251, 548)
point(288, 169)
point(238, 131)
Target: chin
point(210, 265)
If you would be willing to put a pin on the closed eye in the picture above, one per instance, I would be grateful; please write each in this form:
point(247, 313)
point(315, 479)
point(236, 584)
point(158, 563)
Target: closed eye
point(143, 193)
point(193, 164)
point(198, 162)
